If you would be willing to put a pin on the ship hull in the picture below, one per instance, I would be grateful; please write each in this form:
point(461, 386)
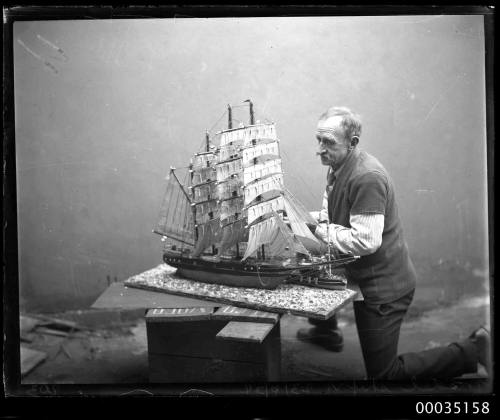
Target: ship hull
point(229, 273)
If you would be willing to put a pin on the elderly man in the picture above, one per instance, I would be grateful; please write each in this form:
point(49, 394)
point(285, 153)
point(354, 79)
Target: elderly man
point(360, 210)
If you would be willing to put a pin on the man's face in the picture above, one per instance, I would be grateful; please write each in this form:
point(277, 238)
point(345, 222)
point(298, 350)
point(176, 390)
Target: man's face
point(332, 147)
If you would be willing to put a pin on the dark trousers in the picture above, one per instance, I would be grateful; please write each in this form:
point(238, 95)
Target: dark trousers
point(378, 330)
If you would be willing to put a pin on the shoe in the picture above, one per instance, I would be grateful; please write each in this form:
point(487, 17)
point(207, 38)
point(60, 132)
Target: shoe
point(328, 339)
point(324, 324)
point(481, 338)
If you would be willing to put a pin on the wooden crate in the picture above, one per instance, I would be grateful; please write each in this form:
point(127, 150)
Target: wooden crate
point(195, 345)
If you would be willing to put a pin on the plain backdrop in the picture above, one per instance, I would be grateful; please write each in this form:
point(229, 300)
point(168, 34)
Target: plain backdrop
point(104, 107)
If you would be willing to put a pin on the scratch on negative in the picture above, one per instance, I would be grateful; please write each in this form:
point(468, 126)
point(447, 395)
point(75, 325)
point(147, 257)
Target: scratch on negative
point(34, 54)
point(196, 390)
point(38, 57)
point(55, 47)
point(433, 107)
point(137, 390)
point(442, 95)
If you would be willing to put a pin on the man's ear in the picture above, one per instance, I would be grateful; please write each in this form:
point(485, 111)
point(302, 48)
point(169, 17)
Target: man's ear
point(354, 141)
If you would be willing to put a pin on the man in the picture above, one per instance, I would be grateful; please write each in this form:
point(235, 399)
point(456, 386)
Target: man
point(360, 210)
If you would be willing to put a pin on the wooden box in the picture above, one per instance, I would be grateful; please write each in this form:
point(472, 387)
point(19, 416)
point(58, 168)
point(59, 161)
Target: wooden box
point(184, 346)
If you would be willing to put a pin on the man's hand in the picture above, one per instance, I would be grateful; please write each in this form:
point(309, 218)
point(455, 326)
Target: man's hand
point(321, 232)
point(315, 215)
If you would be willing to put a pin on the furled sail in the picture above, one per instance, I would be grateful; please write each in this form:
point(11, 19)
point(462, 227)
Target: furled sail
point(175, 220)
point(278, 238)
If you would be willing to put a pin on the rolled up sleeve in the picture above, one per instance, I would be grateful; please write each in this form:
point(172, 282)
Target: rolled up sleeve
point(364, 236)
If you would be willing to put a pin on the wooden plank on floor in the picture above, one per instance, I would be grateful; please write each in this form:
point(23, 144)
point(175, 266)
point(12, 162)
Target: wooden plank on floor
point(26, 323)
point(253, 332)
point(233, 313)
point(118, 296)
point(286, 298)
point(30, 358)
point(178, 314)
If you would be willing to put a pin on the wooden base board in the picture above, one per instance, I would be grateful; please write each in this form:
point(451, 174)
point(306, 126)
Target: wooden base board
point(286, 298)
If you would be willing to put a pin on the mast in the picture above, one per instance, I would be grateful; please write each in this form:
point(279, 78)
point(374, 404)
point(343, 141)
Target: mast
point(252, 118)
point(252, 122)
point(193, 208)
point(229, 117)
point(204, 199)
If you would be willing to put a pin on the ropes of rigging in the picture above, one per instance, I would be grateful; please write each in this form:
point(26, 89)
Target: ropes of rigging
point(300, 180)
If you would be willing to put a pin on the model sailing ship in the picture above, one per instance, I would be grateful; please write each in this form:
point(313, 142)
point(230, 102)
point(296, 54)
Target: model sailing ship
point(233, 222)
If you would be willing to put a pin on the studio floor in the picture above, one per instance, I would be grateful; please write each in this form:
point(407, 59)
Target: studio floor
point(113, 350)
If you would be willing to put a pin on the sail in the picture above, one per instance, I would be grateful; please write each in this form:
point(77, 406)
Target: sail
point(208, 234)
point(273, 205)
point(299, 207)
point(206, 211)
point(279, 240)
point(270, 149)
point(230, 189)
point(229, 151)
point(231, 136)
point(261, 170)
point(232, 234)
point(300, 229)
point(259, 131)
point(203, 192)
point(232, 207)
point(175, 220)
point(228, 169)
point(260, 187)
point(247, 134)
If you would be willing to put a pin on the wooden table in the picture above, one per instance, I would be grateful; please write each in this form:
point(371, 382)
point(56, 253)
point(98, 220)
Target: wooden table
point(225, 344)
point(191, 340)
point(215, 339)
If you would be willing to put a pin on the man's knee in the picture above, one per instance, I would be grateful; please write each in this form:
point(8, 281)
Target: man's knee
point(395, 371)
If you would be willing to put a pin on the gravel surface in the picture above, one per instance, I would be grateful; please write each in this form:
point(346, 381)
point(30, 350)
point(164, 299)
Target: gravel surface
point(286, 298)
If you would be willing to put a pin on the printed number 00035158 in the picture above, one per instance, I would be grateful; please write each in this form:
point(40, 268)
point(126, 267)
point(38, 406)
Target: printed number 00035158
point(455, 407)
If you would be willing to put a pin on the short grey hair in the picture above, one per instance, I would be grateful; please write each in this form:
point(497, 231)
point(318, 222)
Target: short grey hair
point(351, 122)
